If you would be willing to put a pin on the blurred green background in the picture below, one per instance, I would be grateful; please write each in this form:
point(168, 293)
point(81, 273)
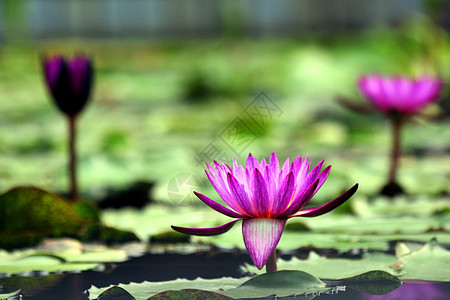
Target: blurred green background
point(159, 101)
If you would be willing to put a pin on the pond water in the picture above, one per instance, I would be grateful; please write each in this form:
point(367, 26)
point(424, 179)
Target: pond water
point(205, 264)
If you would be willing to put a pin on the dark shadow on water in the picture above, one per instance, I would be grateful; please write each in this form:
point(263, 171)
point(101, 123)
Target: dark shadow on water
point(164, 267)
point(150, 267)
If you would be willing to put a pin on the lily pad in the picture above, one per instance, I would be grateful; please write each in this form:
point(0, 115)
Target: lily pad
point(29, 283)
point(189, 294)
point(27, 261)
point(281, 283)
point(335, 268)
point(45, 263)
point(278, 284)
point(334, 231)
point(428, 263)
point(431, 262)
point(373, 282)
point(9, 295)
point(142, 291)
point(322, 239)
point(116, 293)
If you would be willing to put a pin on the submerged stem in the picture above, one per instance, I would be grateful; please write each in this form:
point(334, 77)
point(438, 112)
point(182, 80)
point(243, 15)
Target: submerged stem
point(396, 149)
point(271, 264)
point(392, 188)
point(73, 159)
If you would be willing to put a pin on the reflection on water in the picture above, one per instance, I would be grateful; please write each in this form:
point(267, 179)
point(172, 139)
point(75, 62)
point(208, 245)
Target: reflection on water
point(415, 290)
point(208, 264)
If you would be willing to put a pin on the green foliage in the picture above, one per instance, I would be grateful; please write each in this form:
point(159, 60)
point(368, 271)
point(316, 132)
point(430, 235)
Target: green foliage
point(281, 283)
point(296, 226)
point(114, 142)
point(29, 210)
point(115, 292)
point(98, 232)
point(86, 210)
point(144, 290)
point(373, 282)
point(57, 260)
point(12, 241)
point(9, 295)
point(372, 226)
point(188, 294)
point(278, 284)
point(170, 237)
point(28, 214)
point(158, 130)
point(431, 262)
point(427, 263)
point(15, 283)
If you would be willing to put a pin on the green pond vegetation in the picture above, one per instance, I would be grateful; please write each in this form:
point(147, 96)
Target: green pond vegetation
point(157, 105)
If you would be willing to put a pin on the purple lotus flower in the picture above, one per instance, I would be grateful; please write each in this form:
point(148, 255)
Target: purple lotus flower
point(69, 81)
point(398, 98)
point(400, 94)
point(264, 197)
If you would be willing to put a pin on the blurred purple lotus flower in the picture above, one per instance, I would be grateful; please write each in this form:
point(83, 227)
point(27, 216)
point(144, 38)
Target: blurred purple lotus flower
point(398, 98)
point(264, 197)
point(69, 81)
point(400, 95)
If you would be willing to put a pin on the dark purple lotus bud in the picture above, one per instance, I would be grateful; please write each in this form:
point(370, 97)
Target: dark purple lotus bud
point(69, 81)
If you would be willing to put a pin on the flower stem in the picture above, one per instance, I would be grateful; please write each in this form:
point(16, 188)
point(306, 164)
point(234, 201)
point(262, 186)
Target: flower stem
point(392, 187)
point(73, 159)
point(271, 264)
point(395, 150)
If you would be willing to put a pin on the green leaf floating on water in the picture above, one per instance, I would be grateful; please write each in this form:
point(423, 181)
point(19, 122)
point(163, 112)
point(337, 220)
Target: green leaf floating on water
point(142, 291)
point(7, 295)
point(30, 284)
point(115, 292)
point(373, 282)
point(45, 263)
point(332, 231)
point(431, 262)
point(189, 294)
point(20, 261)
point(281, 283)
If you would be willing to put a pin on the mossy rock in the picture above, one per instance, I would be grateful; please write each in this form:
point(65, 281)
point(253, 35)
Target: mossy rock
point(32, 211)
point(28, 285)
point(10, 242)
point(296, 227)
point(87, 211)
point(28, 214)
point(108, 235)
point(170, 237)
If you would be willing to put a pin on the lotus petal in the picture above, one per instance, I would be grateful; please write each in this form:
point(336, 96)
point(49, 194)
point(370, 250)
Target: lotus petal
point(205, 231)
point(218, 207)
point(400, 94)
point(261, 236)
point(300, 200)
point(260, 194)
point(317, 211)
